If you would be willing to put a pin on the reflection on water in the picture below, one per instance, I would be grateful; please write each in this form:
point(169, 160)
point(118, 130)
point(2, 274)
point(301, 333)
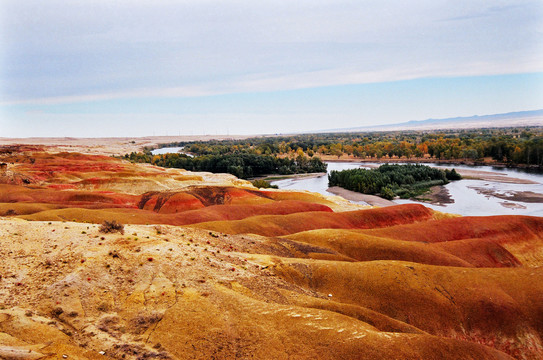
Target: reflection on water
point(317, 184)
point(169, 150)
point(467, 199)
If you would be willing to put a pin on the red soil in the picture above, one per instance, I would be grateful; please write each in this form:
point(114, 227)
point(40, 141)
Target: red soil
point(210, 213)
point(485, 241)
point(502, 229)
point(70, 198)
point(494, 307)
point(479, 252)
point(360, 219)
point(167, 203)
point(361, 247)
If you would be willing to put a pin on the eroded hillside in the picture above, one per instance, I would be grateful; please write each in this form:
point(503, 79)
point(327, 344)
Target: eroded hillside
point(209, 267)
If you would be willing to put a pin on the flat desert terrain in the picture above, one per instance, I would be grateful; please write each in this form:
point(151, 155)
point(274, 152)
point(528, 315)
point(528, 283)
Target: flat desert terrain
point(110, 146)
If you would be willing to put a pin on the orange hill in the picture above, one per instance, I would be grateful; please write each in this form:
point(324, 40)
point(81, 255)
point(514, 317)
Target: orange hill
point(360, 219)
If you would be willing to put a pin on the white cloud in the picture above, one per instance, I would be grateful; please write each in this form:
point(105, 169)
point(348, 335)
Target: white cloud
point(291, 81)
point(90, 51)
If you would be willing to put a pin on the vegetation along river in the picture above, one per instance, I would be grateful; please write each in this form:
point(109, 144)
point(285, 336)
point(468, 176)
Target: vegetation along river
point(485, 190)
point(501, 191)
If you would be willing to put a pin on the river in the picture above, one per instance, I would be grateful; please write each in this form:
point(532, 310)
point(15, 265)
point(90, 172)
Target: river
point(471, 197)
point(170, 150)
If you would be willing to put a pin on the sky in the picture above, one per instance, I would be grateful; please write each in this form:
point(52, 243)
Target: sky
point(187, 67)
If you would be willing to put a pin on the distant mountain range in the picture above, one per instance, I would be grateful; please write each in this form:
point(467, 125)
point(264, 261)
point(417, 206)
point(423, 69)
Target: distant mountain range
point(512, 119)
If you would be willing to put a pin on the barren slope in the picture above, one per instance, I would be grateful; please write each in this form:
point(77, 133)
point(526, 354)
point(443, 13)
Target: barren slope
point(257, 274)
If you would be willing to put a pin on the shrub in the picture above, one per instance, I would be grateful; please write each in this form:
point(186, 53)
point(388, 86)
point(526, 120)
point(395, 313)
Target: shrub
point(111, 227)
point(56, 312)
point(452, 175)
point(387, 193)
point(160, 230)
point(263, 184)
point(142, 322)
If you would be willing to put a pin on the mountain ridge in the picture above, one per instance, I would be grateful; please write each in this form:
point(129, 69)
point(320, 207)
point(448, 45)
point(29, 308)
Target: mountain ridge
point(516, 118)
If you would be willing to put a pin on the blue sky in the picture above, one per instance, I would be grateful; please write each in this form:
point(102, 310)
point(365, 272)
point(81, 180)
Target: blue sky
point(164, 67)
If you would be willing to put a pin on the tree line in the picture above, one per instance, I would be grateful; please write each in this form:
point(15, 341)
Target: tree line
point(242, 165)
point(514, 146)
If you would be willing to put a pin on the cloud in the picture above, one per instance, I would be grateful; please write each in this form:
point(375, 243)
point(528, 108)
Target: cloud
point(289, 81)
point(488, 12)
point(82, 51)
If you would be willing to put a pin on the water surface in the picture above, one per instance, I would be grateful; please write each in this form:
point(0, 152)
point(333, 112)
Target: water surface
point(467, 199)
point(169, 150)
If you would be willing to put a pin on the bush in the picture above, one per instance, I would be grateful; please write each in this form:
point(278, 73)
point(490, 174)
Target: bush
point(452, 175)
point(263, 184)
point(387, 193)
point(111, 227)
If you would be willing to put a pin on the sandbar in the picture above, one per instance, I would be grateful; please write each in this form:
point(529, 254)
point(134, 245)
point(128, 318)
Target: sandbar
point(356, 196)
point(519, 196)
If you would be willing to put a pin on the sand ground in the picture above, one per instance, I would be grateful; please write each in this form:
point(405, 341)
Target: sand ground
point(355, 196)
point(114, 145)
